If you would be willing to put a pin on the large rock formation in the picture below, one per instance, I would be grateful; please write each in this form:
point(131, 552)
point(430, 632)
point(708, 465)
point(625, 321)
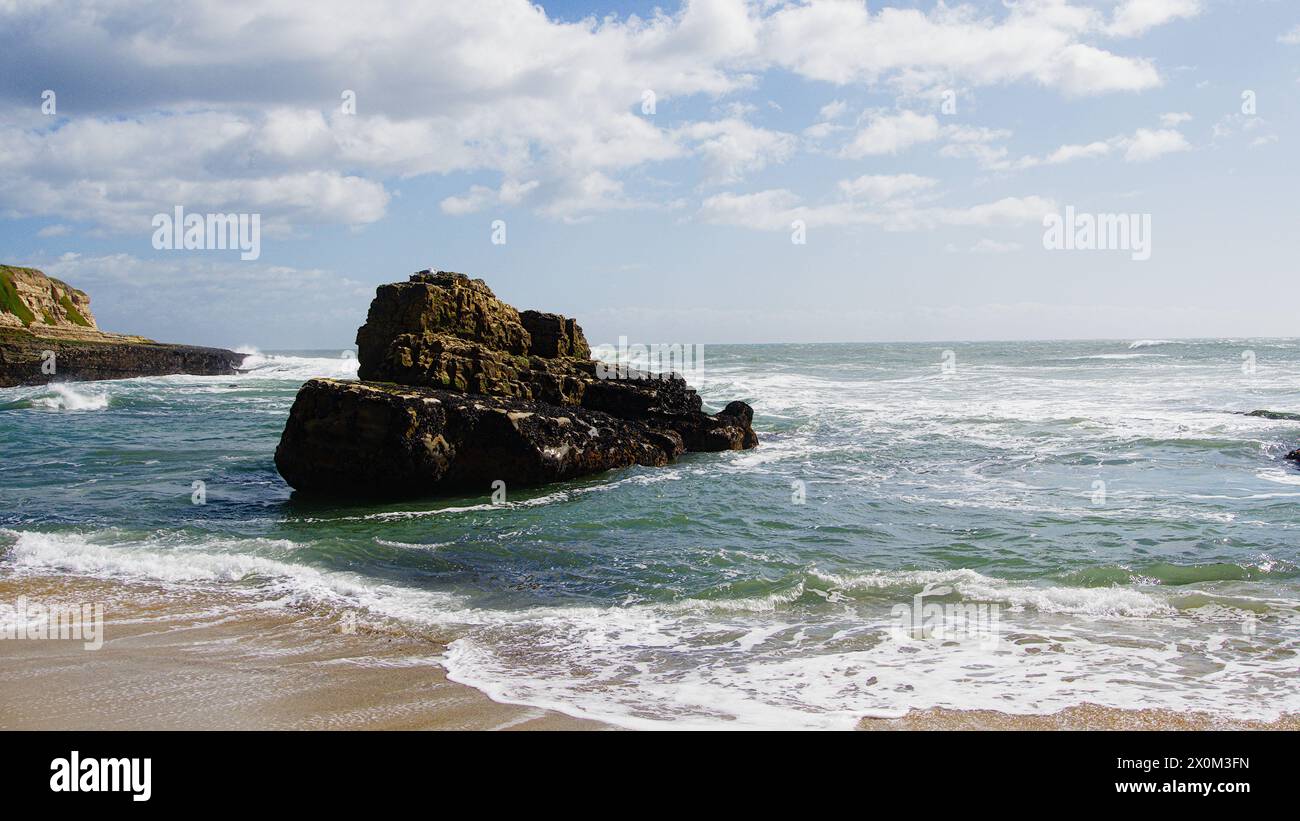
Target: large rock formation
point(458, 389)
point(30, 299)
point(48, 334)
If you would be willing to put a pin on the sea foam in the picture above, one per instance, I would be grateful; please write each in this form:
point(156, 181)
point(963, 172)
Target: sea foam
point(64, 397)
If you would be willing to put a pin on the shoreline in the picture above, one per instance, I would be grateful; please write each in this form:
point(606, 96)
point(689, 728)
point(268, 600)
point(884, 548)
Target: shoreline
point(1082, 717)
point(193, 662)
point(173, 661)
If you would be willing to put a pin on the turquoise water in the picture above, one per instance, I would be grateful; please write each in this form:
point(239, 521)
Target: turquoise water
point(1129, 535)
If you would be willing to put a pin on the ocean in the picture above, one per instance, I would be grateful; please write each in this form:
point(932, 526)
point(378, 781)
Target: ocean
point(1013, 526)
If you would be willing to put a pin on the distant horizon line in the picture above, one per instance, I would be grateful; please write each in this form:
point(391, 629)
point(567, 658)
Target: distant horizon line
point(1130, 341)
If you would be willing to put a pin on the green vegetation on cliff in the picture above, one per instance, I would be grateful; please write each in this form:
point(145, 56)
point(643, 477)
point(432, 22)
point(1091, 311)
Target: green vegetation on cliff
point(16, 281)
point(73, 314)
point(9, 301)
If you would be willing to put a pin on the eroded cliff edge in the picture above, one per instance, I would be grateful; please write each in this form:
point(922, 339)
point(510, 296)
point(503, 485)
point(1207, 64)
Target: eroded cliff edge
point(458, 389)
point(48, 334)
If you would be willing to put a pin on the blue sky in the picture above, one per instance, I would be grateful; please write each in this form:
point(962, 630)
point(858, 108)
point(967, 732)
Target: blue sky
point(922, 222)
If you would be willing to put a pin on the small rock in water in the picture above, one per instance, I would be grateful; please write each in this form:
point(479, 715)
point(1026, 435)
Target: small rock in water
point(1268, 414)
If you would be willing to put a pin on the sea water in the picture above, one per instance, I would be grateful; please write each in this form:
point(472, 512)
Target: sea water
point(1127, 534)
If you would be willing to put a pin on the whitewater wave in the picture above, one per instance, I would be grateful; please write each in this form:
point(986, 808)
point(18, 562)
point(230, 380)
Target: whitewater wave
point(770, 661)
point(555, 497)
point(644, 667)
point(1114, 356)
point(1151, 343)
point(258, 365)
point(61, 396)
point(227, 565)
point(972, 586)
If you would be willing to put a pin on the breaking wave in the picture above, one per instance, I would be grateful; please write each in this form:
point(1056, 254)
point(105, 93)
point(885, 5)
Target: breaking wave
point(824, 652)
point(260, 365)
point(61, 396)
point(1151, 343)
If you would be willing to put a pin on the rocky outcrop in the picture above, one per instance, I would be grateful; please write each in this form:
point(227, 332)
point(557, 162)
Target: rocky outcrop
point(1280, 416)
point(554, 336)
point(30, 298)
point(48, 334)
point(458, 389)
point(1276, 415)
point(391, 440)
point(26, 359)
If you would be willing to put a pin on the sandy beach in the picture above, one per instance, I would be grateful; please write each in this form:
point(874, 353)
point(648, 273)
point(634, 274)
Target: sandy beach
point(1083, 717)
point(195, 662)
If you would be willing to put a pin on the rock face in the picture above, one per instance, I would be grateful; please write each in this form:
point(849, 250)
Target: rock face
point(29, 298)
point(391, 440)
point(48, 334)
point(458, 389)
point(554, 336)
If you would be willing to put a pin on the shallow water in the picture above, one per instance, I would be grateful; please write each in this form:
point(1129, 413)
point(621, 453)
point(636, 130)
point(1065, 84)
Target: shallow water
point(1122, 534)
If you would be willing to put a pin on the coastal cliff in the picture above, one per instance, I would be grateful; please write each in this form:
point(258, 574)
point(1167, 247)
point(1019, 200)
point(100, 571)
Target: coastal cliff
point(48, 334)
point(458, 390)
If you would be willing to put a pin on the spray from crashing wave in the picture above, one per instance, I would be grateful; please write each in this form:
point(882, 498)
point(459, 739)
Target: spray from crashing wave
point(1150, 343)
point(61, 396)
point(290, 366)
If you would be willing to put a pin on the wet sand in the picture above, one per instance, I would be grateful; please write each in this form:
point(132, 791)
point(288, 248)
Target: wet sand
point(1083, 717)
point(178, 661)
point(195, 663)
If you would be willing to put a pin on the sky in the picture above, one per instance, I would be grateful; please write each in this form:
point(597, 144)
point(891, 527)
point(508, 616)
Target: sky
point(694, 172)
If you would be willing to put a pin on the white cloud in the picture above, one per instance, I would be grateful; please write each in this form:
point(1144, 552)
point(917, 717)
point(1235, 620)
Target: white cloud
point(992, 246)
point(771, 210)
point(993, 157)
point(1143, 145)
point(491, 87)
point(733, 148)
point(1006, 211)
point(1292, 37)
point(777, 209)
point(976, 142)
point(832, 110)
point(975, 134)
point(1146, 144)
point(1175, 118)
point(1231, 125)
point(576, 200)
point(480, 197)
point(820, 131)
point(119, 172)
point(1036, 42)
point(1136, 17)
point(880, 188)
point(472, 201)
point(891, 133)
point(1069, 153)
point(826, 120)
point(1064, 154)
